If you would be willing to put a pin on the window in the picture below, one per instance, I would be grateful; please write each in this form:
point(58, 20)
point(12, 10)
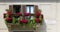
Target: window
point(27, 9)
point(30, 9)
point(16, 8)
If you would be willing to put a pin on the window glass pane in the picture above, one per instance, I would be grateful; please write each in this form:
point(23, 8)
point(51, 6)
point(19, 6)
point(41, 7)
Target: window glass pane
point(27, 9)
point(32, 9)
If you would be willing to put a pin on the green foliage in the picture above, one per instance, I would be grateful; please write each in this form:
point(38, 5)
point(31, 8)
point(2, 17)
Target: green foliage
point(5, 19)
point(41, 19)
point(13, 20)
point(31, 23)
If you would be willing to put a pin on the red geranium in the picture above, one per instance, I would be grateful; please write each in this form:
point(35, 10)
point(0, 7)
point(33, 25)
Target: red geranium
point(37, 14)
point(19, 13)
point(23, 21)
point(8, 19)
point(9, 13)
point(37, 20)
point(26, 14)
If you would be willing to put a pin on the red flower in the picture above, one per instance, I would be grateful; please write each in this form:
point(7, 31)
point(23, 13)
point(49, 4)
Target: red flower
point(37, 20)
point(9, 13)
point(23, 21)
point(26, 14)
point(19, 13)
point(8, 19)
point(37, 14)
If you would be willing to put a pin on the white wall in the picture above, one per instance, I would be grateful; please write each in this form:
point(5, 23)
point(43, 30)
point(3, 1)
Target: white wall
point(3, 27)
point(58, 17)
point(48, 9)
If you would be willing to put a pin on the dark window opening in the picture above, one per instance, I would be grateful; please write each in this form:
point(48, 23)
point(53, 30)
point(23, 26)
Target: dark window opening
point(16, 8)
